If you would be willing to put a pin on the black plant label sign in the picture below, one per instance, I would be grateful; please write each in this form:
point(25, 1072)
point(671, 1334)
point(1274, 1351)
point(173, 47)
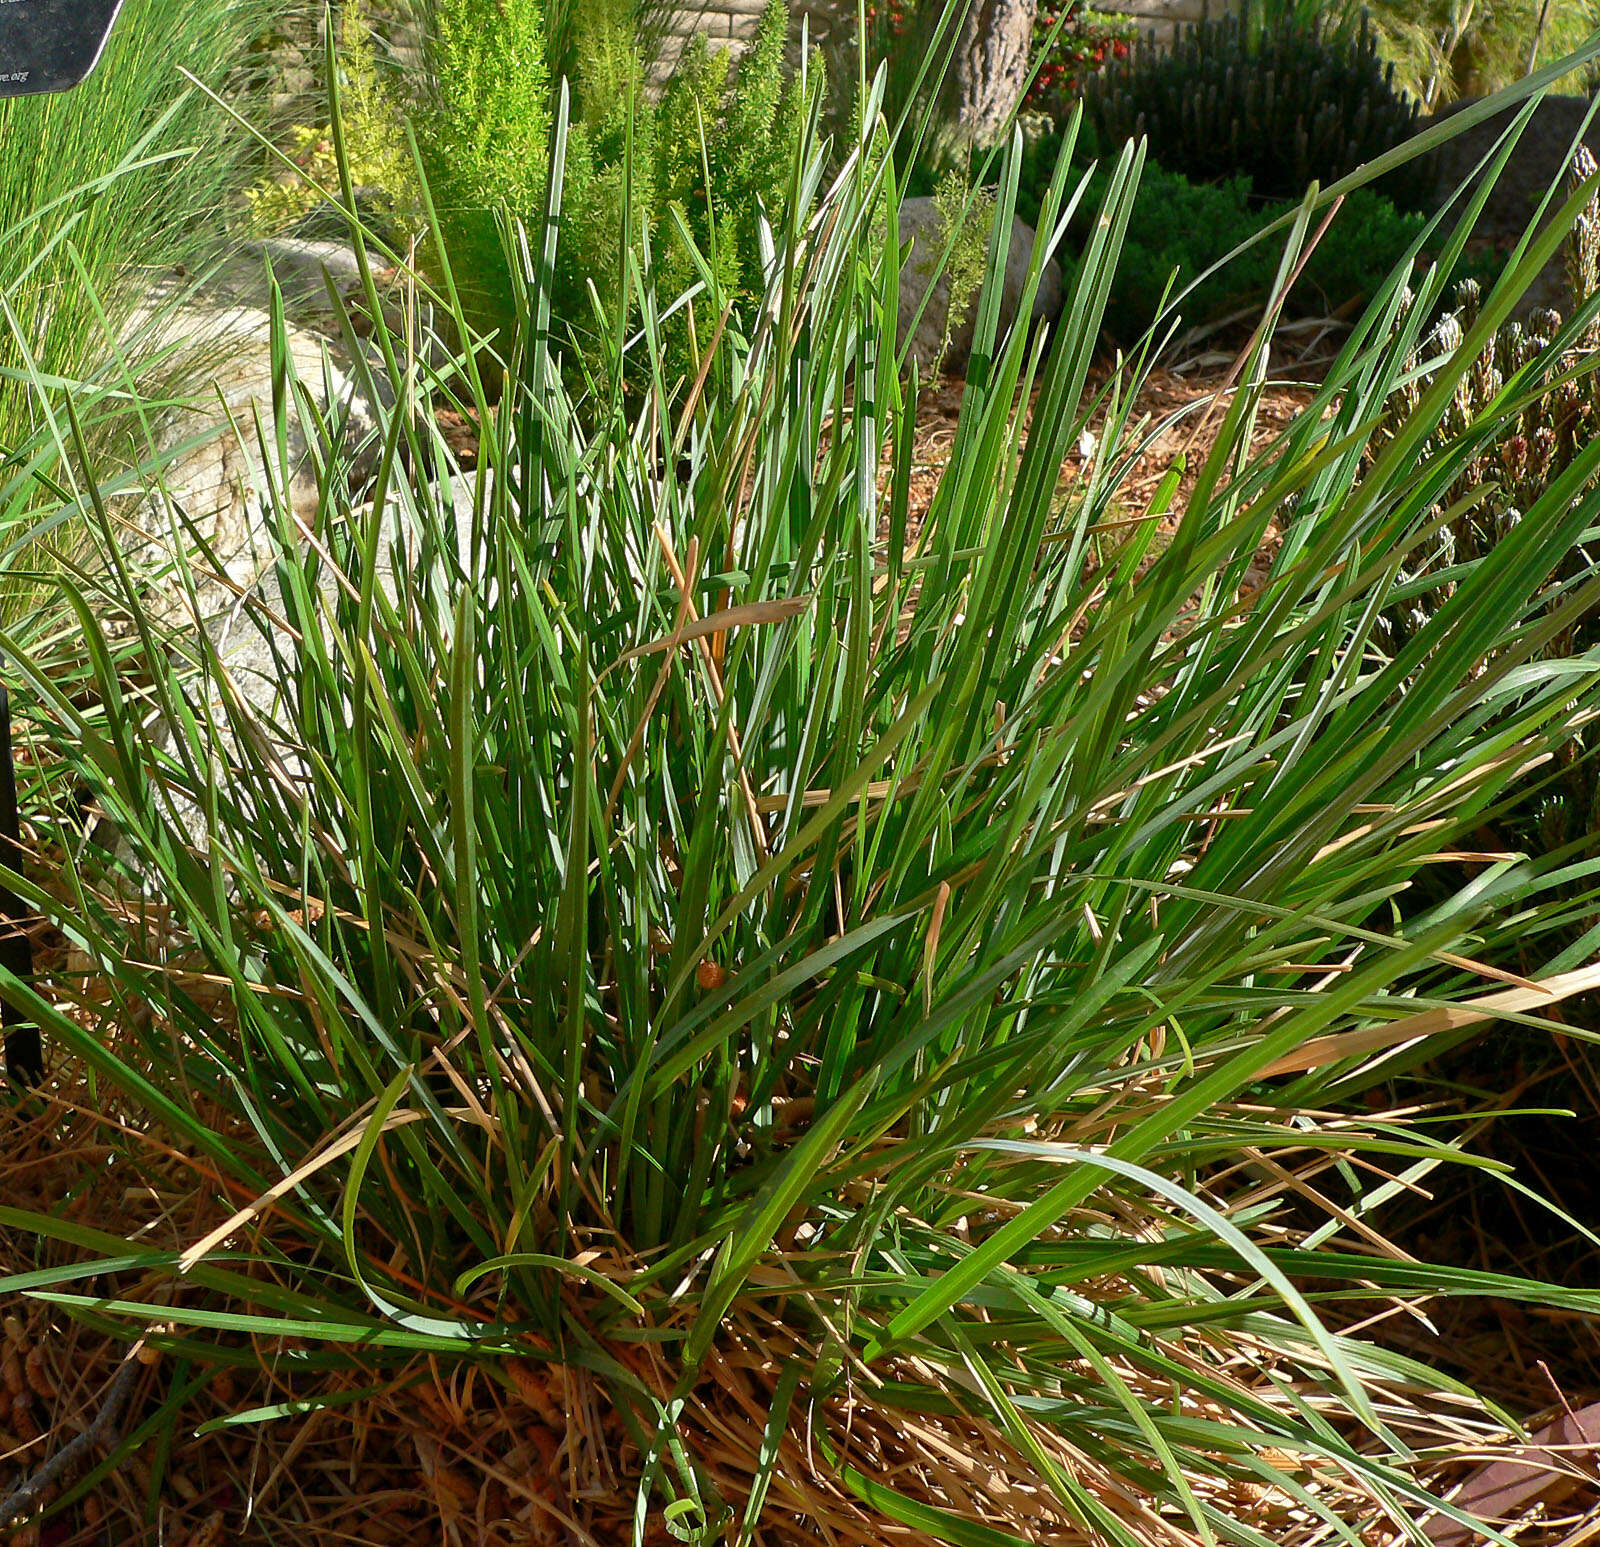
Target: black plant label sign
point(45, 45)
point(51, 45)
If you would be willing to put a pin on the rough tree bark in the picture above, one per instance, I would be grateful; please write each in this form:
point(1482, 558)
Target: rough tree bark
point(989, 69)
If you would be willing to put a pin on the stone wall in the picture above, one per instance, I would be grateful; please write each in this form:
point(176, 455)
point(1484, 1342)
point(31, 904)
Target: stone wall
point(732, 23)
point(1159, 18)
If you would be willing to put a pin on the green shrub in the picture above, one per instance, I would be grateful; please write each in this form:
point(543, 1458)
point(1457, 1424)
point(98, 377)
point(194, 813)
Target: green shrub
point(375, 145)
point(485, 136)
point(705, 158)
point(1178, 226)
point(1281, 102)
point(704, 161)
point(965, 216)
point(824, 997)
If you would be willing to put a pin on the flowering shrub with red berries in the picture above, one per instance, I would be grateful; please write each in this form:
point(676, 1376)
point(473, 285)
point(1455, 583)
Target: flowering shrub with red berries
point(892, 21)
point(1087, 41)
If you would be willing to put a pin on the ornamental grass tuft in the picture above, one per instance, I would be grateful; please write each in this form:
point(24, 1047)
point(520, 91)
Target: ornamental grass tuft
point(828, 1015)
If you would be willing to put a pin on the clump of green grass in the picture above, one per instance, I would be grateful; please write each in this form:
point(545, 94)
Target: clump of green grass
point(1442, 50)
point(634, 915)
point(1447, 49)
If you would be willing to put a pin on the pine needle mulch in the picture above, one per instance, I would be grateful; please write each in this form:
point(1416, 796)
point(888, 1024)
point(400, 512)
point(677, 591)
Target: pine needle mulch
point(513, 1451)
point(1198, 399)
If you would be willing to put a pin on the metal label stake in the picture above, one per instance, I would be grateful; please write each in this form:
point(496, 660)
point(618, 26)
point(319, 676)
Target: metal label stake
point(24, 1049)
point(51, 45)
point(45, 45)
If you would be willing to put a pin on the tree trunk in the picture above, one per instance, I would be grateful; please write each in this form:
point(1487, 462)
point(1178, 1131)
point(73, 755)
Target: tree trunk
point(989, 69)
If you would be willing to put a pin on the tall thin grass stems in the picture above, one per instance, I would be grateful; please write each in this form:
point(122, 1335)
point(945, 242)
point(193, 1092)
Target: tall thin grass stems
point(113, 198)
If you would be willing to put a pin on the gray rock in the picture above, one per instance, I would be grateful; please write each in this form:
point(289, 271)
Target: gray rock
point(248, 634)
point(213, 477)
point(303, 269)
point(329, 222)
point(251, 642)
point(920, 226)
point(260, 653)
point(320, 281)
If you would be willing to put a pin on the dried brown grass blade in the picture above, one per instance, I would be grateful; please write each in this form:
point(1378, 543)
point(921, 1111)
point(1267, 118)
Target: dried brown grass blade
point(748, 613)
point(1321, 1051)
point(745, 615)
point(340, 1146)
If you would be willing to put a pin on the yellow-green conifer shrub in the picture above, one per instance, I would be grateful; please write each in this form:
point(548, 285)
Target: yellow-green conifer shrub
point(965, 214)
point(485, 135)
point(704, 159)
